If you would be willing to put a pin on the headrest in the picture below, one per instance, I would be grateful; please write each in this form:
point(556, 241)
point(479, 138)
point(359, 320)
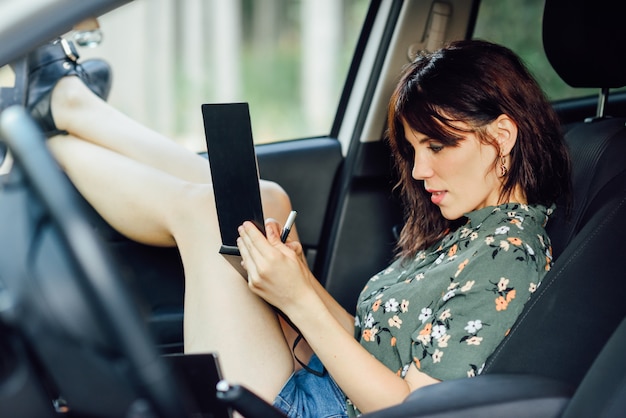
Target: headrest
point(585, 41)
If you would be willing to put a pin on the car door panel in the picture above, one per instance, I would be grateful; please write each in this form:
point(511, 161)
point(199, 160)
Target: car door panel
point(306, 169)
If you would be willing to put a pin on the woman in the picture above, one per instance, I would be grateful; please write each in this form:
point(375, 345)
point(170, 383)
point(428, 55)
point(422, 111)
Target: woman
point(474, 142)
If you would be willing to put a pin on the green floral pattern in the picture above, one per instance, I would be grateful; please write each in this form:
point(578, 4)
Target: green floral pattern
point(447, 309)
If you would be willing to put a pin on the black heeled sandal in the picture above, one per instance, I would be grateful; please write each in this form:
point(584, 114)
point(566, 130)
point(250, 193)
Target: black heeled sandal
point(47, 65)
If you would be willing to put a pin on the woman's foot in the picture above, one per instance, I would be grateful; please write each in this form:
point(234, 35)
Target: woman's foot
point(47, 65)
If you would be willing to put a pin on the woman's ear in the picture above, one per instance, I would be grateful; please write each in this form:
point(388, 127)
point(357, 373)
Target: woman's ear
point(505, 133)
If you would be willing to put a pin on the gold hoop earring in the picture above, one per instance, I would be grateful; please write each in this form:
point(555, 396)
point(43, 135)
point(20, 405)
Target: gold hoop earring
point(503, 169)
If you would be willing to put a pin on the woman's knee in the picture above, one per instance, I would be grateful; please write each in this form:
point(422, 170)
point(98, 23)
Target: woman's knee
point(69, 95)
point(195, 206)
point(274, 198)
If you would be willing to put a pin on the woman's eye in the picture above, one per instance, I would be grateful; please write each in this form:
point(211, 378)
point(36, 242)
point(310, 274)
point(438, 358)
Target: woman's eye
point(435, 147)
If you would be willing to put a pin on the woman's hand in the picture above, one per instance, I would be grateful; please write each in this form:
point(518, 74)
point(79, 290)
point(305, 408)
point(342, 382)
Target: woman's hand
point(277, 271)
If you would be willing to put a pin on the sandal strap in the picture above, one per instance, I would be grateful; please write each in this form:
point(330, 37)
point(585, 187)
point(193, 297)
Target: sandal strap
point(60, 49)
point(69, 49)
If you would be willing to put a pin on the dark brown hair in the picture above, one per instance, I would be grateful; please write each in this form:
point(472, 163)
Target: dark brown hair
point(474, 82)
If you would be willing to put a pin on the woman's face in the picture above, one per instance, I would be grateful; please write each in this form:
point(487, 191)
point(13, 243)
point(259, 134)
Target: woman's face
point(460, 178)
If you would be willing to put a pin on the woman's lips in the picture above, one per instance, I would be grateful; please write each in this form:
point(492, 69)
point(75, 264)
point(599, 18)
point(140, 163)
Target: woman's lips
point(437, 196)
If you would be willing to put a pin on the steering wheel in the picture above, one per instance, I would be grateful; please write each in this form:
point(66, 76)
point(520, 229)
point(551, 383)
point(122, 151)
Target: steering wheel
point(67, 297)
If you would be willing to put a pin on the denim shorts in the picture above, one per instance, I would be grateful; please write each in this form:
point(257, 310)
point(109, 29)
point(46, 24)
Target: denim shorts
point(306, 395)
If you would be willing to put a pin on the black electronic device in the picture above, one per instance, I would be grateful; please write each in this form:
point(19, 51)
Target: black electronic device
point(234, 172)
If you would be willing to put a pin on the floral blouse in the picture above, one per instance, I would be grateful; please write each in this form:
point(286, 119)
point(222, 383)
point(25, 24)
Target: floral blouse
point(448, 308)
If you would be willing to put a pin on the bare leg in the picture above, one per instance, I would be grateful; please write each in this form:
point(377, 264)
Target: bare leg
point(86, 116)
point(79, 111)
point(154, 207)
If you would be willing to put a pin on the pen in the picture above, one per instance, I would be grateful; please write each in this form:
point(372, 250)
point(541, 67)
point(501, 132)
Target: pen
point(291, 219)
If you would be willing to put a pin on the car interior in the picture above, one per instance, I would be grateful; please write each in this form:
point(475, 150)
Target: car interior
point(87, 317)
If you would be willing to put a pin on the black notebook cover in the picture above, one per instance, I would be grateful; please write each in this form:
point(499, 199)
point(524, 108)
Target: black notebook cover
point(233, 169)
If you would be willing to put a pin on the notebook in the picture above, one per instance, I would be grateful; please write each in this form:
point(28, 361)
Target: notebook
point(234, 172)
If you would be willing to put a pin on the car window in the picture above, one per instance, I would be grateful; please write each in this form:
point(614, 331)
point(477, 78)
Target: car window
point(519, 28)
point(287, 58)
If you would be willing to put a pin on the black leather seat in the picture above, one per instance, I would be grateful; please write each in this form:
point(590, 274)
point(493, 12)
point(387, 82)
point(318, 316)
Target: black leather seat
point(602, 393)
point(585, 289)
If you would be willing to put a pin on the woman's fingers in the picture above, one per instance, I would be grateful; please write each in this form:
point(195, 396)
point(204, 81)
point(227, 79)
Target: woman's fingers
point(246, 261)
point(264, 255)
point(272, 231)
point(258, 254)
point(296, 247)
point(254, 239)
point(266, 246)
point(277, 272)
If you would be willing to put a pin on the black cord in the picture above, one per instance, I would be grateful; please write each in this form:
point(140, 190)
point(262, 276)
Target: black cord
point(295, 344)
point(304, 366)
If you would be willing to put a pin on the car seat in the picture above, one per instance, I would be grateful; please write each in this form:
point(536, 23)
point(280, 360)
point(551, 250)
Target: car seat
point(585, 290)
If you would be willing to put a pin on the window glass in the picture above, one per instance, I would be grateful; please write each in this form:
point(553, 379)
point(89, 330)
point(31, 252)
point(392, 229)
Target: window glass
point(287, 58)
point(519, 28)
